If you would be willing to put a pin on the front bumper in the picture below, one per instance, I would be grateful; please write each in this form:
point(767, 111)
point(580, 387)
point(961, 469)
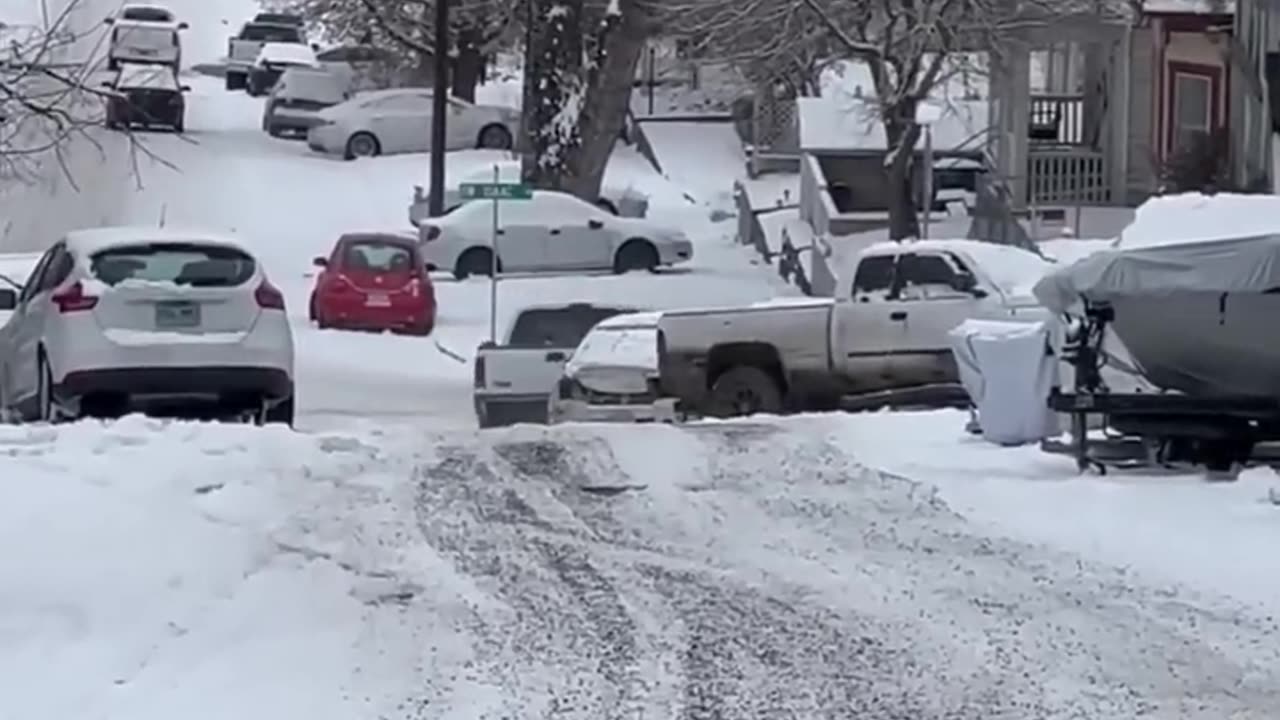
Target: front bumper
point(322, 136)
point(673, 253)
point(571, 410)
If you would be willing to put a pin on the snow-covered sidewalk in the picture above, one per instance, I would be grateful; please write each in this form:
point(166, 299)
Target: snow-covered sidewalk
point(175, 569)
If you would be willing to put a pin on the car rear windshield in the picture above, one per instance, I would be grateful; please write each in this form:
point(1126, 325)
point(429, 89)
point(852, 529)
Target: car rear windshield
point(147, 14)
point(319, 86)
point(376, 256)
point(271, 33)
point(193, 264)
point(558, 327)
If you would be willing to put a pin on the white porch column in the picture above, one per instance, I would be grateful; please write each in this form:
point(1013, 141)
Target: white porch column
point(1017, 124)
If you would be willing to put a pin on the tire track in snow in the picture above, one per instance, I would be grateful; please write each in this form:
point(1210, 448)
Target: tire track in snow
point(567, 620)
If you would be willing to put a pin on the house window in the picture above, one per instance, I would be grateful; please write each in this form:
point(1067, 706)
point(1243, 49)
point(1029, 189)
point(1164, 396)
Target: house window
point(1192, 108)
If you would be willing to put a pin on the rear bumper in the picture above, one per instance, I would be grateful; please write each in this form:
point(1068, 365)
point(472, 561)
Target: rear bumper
point(216, 383)
point(293, 120)
point(500, 410)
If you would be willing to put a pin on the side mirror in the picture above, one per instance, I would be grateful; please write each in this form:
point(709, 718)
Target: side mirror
point(315, 47)
point(183, 26)
point(8, 299)
point(964, 282)
point(109, 21)
point(320, 262)
point(595, 224)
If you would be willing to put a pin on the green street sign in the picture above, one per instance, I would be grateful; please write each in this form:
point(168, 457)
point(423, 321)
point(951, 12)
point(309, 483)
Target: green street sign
point(495, 191)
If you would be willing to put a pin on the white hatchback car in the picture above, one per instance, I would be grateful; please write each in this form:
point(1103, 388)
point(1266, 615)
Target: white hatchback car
point(384, 122)
point(612, 375)
point(550, 232)
point(113, 320)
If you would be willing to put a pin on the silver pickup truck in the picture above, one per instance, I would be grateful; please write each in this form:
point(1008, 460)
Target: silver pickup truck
point(514, 380)
point(882, 341)
point(243, 49)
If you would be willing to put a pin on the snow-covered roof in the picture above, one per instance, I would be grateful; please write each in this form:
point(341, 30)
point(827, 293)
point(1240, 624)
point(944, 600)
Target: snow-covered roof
point(92, 240)
point(1189, 7)
point(628, 321)
point(154, 77)
point(292, 53)
point(841, 124)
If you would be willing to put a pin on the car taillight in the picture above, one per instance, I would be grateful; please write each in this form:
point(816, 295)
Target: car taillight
point(415, 286)
point(479, 372)
point(268, 297)
point(342, 283)
point(115, 35)
point(74, 299)
point(174, 39)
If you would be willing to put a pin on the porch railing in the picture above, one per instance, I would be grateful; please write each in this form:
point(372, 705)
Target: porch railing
point(1075, 176)
point(1057, 120)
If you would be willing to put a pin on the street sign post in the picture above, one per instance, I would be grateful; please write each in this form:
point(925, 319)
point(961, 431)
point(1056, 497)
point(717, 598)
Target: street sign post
point(496, 192)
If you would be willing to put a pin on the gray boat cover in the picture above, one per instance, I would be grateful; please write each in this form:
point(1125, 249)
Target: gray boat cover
point(1237, 265)
point(1195, 317)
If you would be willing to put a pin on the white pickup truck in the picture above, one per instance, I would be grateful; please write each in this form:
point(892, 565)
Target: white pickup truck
point(243, 49)
point(514, 380)
point(883, 340)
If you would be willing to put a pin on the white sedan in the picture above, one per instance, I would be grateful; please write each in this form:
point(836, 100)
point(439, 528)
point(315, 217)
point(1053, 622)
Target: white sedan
point(143, 318)
point(550, 232)
point(384, 122)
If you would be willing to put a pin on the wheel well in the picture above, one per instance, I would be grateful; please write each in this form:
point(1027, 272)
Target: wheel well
point(632, 242)
point(491, 126)
point(477, 250)
point(755, 354)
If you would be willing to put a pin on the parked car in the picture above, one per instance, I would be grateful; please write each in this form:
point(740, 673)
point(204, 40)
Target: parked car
point(144, 12)
point(612, 376)
point(146, 95)
point(552, 231)
point(882, 340)
point(515, 379)
point(615, 199)
point(297, 96)
point(384, 122)
point(145, 318)
point(145, 41)
point(374, 281)
point(273, 60)
point(244, 48)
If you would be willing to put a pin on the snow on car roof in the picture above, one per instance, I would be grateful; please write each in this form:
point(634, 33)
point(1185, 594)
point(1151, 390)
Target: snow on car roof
point(92, 240)
point(157, 77)
point(1013, 269)
point(143, 26)
point(630, 321)
point(279, 52)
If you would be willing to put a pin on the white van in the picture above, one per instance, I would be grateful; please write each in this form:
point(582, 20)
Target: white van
point(151, 43)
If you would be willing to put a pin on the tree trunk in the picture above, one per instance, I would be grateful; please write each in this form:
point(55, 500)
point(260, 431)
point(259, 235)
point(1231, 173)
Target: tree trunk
point(619, 46)
point(901, 134)
point(554, 90)
point(468, 66)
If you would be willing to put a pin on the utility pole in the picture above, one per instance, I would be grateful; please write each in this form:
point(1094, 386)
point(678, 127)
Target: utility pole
point(440, 109)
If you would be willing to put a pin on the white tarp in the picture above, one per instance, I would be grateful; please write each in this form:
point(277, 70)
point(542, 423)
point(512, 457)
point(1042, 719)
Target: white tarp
point(1008, 372)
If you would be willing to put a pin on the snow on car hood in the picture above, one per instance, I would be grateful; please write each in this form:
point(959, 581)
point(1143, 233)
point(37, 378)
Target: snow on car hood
point(616, 360)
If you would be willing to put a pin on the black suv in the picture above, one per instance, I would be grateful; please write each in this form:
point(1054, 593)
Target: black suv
point(146, 95)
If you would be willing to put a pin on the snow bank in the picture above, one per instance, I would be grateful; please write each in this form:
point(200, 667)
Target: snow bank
point(1193, 217)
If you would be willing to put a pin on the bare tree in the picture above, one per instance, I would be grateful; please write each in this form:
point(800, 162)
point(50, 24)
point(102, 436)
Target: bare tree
point(579, 76)
point(50, 96)
point(478, 28)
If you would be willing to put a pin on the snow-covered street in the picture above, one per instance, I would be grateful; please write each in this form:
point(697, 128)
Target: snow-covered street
point(389, 560)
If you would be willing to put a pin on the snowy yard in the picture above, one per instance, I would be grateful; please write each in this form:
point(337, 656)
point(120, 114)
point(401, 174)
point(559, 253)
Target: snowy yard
point(389, 560)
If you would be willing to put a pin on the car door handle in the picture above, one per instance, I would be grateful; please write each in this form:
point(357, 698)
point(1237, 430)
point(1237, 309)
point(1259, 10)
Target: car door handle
point(500, 231)
point(898, 315)
point(555, 356)
point(555, 231)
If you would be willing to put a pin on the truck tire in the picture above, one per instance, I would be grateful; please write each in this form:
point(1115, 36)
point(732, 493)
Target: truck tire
point(744, 390)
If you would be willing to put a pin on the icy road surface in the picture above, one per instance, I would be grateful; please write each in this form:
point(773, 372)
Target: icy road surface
point(747, 571)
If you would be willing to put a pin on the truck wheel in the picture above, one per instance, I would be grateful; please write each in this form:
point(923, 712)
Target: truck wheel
point(744, 390)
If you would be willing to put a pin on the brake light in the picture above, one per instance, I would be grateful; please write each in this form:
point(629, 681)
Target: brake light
point(415, 286)
point(74, 299)
point(268, 297)
point(342, 283)
point(479, 378)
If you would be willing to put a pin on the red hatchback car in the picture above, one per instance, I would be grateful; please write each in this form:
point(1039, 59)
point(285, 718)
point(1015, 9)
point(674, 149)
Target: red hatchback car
point(374, 281)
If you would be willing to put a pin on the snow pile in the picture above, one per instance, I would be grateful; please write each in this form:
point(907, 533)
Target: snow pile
point(1193, 217)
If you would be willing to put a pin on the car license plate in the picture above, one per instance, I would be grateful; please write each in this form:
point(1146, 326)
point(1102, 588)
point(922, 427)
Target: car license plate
point(176, 315)
point(377, 300)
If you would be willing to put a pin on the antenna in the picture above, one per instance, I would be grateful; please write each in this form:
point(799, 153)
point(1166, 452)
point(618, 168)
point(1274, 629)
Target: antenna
point(163, 210)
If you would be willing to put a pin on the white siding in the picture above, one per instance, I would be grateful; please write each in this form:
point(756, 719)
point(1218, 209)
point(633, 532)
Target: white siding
point(1142, 148)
